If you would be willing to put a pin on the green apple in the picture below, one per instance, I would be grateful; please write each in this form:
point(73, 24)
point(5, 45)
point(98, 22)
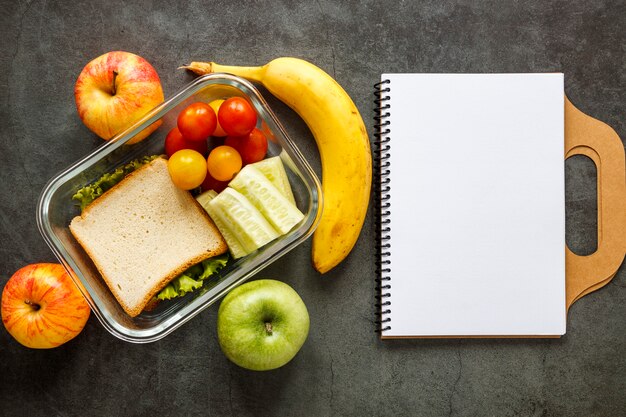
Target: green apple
point(261, 325)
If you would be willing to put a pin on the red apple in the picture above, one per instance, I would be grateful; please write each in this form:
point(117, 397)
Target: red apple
point(41, 306)
point(115, 90)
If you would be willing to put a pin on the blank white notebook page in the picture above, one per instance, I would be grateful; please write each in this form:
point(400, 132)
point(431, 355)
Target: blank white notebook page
point(477, 205)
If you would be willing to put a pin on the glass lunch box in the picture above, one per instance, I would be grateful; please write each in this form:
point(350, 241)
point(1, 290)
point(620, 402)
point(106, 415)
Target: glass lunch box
point(56, 209)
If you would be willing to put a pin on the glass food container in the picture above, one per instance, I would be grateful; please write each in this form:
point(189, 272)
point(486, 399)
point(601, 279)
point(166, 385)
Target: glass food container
point(56, 209)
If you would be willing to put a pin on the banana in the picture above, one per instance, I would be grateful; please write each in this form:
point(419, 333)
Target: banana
point(342, 140)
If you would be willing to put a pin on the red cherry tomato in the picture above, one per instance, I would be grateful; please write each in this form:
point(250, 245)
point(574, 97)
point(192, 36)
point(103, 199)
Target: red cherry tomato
point(211, 183)
point(252, 148)
point(175, 141)
point(236, 116)
point(223, 163)
point(197, 122)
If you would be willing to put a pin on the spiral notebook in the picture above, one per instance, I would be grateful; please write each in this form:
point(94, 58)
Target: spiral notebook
point(472, 205)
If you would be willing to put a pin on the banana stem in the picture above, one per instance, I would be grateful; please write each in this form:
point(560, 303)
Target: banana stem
point(249, 73)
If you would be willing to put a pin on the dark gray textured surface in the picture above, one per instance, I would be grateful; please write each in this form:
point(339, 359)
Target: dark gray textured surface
point(343, 369)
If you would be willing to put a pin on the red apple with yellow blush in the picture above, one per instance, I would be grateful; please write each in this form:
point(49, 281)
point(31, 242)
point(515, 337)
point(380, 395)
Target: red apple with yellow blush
point(116, 89)
point(41, 306)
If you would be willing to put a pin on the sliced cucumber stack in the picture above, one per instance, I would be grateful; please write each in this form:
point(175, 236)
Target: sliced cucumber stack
point(274, 170)
point(257, 207)
point(280, 212)
point(245, 221)
point(234, 245)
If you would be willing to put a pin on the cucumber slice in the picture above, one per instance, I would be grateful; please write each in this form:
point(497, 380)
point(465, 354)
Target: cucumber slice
point(243, 219)
point(277, 209)
point(204, 198)
point(274, 170)
point(234, 245)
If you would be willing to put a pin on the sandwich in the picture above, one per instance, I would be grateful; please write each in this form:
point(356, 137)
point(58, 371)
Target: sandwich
point(143, 232)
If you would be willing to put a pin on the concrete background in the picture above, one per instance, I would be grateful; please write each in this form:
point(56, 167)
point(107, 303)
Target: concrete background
point(343, 369)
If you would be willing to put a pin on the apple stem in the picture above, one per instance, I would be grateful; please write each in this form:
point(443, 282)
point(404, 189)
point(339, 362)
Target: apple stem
point(34, 306)
point(268, 328)
point(114, 77)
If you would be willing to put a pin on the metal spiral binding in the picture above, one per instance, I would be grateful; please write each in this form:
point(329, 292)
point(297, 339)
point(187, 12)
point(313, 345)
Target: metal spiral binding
point(382, 168)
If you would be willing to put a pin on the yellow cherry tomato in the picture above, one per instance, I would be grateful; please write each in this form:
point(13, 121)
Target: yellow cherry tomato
point(187, 168)
point(223, 163)
point(215, 105)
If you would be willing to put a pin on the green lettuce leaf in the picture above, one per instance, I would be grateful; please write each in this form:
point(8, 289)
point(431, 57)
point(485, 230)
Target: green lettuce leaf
point(193, 278)
point(89, 193)
point(213, 265)
point(167, 293)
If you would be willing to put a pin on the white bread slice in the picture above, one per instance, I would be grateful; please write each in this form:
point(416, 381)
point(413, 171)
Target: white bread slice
point(144, 232)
